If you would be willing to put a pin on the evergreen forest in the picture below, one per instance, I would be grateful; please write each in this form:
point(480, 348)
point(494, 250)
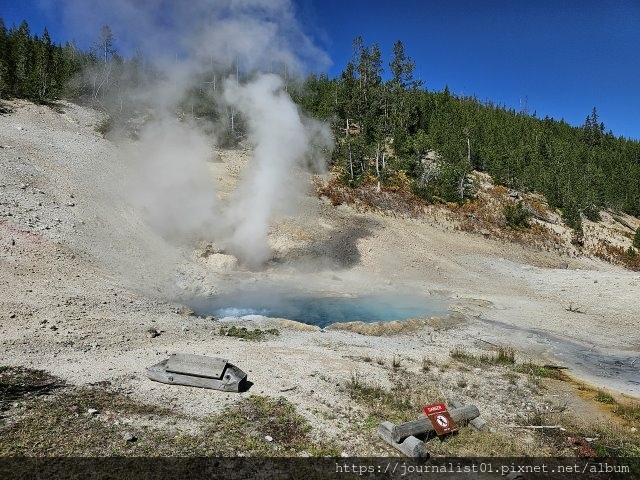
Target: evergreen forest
point(390, 129)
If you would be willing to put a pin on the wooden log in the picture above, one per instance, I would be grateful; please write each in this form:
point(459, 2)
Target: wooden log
point(477, 423)
point(410, 446)
point(423, 425)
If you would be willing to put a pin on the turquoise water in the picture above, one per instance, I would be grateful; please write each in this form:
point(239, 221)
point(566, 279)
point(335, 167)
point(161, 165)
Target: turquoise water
point(321, 310)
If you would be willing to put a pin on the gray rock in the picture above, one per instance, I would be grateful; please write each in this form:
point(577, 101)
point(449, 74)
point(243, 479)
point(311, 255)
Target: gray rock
point(153, 333)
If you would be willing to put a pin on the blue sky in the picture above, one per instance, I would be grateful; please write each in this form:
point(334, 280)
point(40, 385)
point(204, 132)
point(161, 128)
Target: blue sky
point(560, 57)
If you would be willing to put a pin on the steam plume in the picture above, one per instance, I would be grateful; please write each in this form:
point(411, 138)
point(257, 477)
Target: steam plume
point(170, 183)
point(281, 143)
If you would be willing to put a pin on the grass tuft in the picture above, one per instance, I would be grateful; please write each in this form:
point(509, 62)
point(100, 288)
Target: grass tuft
point(502, 356)
point(62, 425)
point(401, 403)
point(541, 371)
point(17, 383)
point(244, 333)
point(629, 412)
point(427, 364)
point(396, 362)
point(604, 397)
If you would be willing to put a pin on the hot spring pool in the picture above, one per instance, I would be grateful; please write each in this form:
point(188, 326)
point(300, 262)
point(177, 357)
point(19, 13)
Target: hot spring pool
point(321, 310)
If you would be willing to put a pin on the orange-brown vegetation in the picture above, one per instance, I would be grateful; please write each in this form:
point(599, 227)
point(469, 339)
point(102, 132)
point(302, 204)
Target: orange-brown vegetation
point(628, 258)
point(484, 214)
point(394, 199)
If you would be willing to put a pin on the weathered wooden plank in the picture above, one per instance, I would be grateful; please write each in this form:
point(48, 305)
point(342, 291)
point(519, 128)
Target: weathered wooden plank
point(477, 423)
point(410, 446)
point(198, 365)
point(423, 425)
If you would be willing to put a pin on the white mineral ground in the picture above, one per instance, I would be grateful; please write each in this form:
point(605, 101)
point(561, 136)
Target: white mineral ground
point(77, 287)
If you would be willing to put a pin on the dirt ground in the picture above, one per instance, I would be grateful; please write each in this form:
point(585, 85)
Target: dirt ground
point(82, 280)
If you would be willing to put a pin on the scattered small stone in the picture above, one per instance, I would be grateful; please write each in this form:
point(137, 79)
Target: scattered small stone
point(268, 438)
point(514, 475)
point(93, 411)
point(129, 437)
point(185, 329)
point(71, 204)
point(53, 327)
point(288, 388)
point(13, 315)
point(153, 333)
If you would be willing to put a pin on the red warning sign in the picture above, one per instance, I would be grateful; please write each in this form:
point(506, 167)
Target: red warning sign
point(440, 419)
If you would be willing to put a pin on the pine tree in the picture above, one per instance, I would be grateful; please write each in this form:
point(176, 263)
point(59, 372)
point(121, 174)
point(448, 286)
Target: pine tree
point(19, 59)
point(636, 238)
point(579, 169)
point(103, 56)
point(571, 216)
point(4, 67)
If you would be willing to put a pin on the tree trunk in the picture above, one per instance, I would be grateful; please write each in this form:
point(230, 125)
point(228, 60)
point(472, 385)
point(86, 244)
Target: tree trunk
point(378, 167)
point(350, 161)
point(461, 186)
point(349, 146)
point(423, 426)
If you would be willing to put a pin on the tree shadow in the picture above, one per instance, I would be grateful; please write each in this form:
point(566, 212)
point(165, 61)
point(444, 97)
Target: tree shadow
point(335, 249)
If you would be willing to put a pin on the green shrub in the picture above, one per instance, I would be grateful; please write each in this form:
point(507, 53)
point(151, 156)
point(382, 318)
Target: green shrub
point(636, 238)
point(105, 126)
point(592, 213)
point(571, 217)
point(516, 216)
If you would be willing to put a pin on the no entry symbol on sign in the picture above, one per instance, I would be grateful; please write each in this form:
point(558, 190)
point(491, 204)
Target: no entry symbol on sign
point(440, 419)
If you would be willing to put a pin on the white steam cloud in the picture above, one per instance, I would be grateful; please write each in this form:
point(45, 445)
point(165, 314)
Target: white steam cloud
point(170, 182)
point(282, 142)
point(258, 33)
